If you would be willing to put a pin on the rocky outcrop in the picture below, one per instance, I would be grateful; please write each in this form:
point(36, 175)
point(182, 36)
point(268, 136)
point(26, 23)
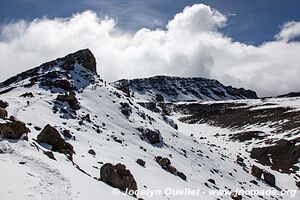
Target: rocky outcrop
point(152, 136)
point(256, 171)
point(3, 104)
point(118, 176)
point(50, 135)
point(247, 135)
point(71, 99)
point(83, 57)
point(13, 129)
point(125, 109)
point(165, 163)
point(284, 154)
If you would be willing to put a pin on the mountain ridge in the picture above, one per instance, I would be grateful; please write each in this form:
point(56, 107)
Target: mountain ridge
point(175, 88)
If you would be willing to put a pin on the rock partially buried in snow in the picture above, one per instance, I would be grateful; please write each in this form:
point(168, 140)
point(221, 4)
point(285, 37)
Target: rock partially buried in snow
point(50, 135)
point(13, 129)
point(118, 176)
point(256, 171)
point(165, 163)
point(269, 178)
point(3, 113)
point(298, 184)
point(3, 104)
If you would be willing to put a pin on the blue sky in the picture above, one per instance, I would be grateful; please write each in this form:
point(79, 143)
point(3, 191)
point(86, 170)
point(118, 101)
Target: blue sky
point(249, 21)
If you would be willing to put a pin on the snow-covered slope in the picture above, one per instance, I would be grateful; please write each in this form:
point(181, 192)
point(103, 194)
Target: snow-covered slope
point(182, 89)
point(108, 127)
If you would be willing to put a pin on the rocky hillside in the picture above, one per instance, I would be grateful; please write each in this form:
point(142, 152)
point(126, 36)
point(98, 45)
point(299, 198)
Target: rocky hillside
point(182, 89)
point(66, 134)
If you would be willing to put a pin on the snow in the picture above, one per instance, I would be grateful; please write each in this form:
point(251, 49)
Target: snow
point(43, 178)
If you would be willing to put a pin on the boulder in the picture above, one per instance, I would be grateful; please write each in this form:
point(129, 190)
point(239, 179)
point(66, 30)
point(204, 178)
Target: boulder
point(256, 171)
point(3, 113)
point(50, 135)
point(269, 178)
point(3, 104)
point(92, 152)
point(13, 129)
point(141, 162)
point(118, 176)
point(152, 136)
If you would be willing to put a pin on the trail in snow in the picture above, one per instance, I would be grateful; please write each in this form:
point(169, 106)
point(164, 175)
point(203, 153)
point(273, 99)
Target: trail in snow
point(36, 179)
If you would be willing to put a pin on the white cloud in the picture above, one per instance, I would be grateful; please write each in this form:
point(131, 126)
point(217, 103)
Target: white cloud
point(290, 30)
point(191, 45)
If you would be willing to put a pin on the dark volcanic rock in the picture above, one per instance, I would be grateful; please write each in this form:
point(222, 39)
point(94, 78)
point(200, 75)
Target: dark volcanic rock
point(13, 129)
point(153, 136)
point(84, 57)
point(3, 104)
point(126, 109)
point(3, 113)
point(118, 176)
point(165, 163)
point(181, 175)
point(70, 99)
point(269, 178)
point(50, 135)
point(50, 155)
point(298, 184)
point(141, 162)
point(256, 171)
point(284, 155)
point(92, 152)
point(247, 135)
point(27, 94)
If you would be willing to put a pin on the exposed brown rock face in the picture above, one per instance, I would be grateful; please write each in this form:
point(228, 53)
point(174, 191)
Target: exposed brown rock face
point(70, 99)
point(84, 57)
point(118, 176)
point(50, 135)
point(284, 155)
point(3, 113)
point(13, 129)
point(247, 135)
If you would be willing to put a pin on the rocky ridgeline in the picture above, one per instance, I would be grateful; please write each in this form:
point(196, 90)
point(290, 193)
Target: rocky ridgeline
point(72, 72)
point(169, 88)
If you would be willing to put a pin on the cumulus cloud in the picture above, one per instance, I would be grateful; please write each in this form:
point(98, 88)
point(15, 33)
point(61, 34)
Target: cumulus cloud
point(290, 30)
point(190, 45)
